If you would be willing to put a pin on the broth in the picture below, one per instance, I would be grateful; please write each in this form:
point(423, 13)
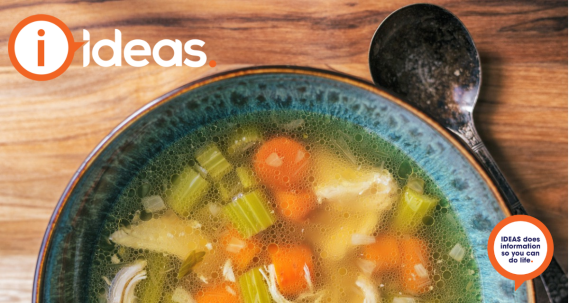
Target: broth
point(221, 215)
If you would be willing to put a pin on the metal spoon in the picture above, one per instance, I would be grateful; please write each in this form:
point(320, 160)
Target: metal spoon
point(423, 53)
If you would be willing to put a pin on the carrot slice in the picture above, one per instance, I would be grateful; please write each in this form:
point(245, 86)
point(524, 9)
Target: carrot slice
point(281, 163)
point(415, 263)
point(221, 293)
point(384, 252)
point(295, 205)
point(241, 251)
point(289, 262)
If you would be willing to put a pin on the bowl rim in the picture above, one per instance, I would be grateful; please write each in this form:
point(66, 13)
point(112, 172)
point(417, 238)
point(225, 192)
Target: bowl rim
point(255, 70)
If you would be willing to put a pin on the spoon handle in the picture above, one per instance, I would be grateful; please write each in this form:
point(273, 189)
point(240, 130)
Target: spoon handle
point(554, 279)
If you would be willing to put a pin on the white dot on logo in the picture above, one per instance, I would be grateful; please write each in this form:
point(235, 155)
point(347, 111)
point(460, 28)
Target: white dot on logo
point(28, 47)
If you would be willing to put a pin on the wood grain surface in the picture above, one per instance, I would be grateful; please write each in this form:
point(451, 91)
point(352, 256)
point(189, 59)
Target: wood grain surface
point(48, 128)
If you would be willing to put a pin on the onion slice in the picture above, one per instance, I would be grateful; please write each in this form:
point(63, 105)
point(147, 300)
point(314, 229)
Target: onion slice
point(361, 239)
point(228, 271)
point(457, 252)
point(235, 245)
point(307, 278)
point(421, 270)
point(274, 160)
point(153, 203)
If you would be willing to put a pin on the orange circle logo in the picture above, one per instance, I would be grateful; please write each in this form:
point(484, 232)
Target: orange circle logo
point(520, 248)
point(41, 47)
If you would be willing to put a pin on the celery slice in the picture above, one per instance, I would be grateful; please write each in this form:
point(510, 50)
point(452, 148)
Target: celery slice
point(213, 161)
point(187, 191)
point(413, 207)
point(253, 288)
point(156, 272)
point(246, 176)
point(250, 214)
point(243, 139)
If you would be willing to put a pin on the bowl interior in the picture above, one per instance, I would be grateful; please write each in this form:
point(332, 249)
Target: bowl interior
point(65, 259)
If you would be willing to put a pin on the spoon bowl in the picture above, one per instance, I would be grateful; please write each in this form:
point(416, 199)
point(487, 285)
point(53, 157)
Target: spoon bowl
point(425, 54)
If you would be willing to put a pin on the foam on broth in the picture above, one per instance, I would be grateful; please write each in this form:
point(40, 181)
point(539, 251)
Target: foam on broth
point(451, 281)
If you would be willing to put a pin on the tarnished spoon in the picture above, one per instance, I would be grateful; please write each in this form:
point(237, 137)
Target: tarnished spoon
point(423, 53)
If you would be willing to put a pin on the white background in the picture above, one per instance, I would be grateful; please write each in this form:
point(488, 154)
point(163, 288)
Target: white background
point(55, 47)
point(522, 229)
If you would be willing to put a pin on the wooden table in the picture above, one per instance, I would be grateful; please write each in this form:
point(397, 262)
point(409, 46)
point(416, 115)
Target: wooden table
point(48, 128)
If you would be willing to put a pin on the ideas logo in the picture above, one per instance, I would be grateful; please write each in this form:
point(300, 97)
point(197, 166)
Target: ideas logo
point(41, 47)
point(32, 56)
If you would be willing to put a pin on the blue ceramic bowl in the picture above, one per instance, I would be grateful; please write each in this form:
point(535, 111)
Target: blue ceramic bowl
point(64, 262)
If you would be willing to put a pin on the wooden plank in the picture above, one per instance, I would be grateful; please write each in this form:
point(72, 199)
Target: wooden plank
point(48, 128)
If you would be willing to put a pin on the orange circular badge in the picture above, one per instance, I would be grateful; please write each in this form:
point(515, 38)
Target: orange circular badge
point(41, 47)
point(520, 248)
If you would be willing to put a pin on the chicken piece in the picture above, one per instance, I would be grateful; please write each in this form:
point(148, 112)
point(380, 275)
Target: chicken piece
point(348, 187)
point(332, 231)
point(353, 199)
point(167, 234)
